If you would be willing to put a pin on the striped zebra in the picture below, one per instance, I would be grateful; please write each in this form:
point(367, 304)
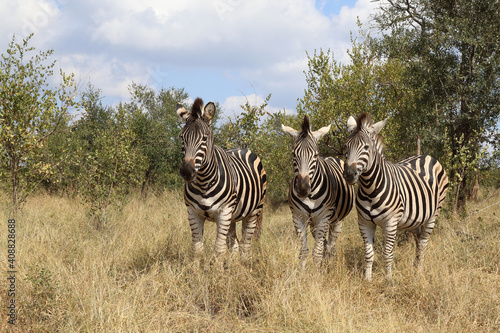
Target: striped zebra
point(223, 186)
point(318, 196)
point(407, 195)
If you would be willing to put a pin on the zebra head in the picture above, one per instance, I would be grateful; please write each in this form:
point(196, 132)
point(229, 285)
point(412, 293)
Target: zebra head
point(361, 145)
point(197, 137)
point(305, 154)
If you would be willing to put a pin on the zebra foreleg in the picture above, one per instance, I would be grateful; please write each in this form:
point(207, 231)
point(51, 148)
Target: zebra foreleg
point(300, 223)
point(196, 222)
point(367, 230)
point(223, 226)
point(389, 239)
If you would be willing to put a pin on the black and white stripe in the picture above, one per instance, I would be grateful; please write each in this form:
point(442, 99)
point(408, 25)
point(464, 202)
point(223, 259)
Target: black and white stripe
point(407, 195)
point(224, 186)
point(318, 196)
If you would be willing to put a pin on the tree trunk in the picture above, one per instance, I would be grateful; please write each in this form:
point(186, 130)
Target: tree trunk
point(14, 193)
point(475, 189)
point(145, 183)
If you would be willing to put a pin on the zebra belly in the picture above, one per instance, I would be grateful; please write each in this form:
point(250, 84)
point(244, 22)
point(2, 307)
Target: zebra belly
point(212, 213)
point(381, 216)
point(407, 222)
point(210, 209)
point(240, 214)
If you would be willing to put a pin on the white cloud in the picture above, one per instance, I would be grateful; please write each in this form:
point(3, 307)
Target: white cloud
point(111, 73)
point(231, 107)
point(213, 48)
point(25, 17)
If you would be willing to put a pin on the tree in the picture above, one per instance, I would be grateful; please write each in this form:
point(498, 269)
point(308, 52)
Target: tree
point(30, 112)
point(336, 91)
point(58, 152)
point(157, 128)
point(450, 48)
point(107, 159)
point(73, 140)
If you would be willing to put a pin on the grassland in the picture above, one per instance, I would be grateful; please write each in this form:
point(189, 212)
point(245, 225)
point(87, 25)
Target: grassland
point(137, 274)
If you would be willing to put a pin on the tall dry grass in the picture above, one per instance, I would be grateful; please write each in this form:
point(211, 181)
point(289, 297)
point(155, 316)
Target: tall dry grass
point(137, 274)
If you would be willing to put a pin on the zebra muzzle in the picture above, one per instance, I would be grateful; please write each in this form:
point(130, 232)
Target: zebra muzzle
point(302, 186)
point(188, 171)
point(351, 174)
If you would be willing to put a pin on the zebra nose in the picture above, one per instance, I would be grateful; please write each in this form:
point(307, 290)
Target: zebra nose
point(302, 186)
point(187, 170)
point(350, 173)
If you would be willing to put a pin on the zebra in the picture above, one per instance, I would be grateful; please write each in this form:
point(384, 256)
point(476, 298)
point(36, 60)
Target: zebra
point(407, 195)
point(223, 186)
point(318, 195)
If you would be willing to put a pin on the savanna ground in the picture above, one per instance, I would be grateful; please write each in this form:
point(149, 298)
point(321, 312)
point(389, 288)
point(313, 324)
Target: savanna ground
point(137, 274)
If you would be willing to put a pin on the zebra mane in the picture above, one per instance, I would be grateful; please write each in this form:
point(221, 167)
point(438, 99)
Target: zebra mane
point(365, 120)
point(197, 108)
point(306, 127)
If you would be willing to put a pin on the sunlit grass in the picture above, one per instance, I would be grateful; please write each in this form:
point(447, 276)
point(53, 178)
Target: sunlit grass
point(137, 274)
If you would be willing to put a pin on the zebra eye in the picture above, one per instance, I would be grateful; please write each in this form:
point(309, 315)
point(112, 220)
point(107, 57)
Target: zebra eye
point(366, 147)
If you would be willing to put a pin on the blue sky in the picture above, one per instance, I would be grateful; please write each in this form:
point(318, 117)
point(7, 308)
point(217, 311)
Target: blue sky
point(220, 50)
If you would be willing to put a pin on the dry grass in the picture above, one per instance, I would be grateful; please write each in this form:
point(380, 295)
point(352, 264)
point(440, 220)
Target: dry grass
point(137, 274)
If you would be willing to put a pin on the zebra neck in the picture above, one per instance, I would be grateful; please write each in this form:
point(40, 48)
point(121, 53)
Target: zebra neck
point(319, 175)
point(208, 174)
point(320, 169)
point(372, 180)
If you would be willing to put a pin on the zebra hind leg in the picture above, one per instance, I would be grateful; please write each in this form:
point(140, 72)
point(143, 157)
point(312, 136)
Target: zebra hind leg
point(258, 226)
point(333, 233)
point(320, 240)
point(422, 241)
point(247, 230)
point(232, 239)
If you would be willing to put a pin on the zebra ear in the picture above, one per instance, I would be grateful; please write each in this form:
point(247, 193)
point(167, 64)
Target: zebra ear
point(377, 127)
point(182, 112)
point(351, 124)
point(290, 131)
point(209, 112)
point(321, 132)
